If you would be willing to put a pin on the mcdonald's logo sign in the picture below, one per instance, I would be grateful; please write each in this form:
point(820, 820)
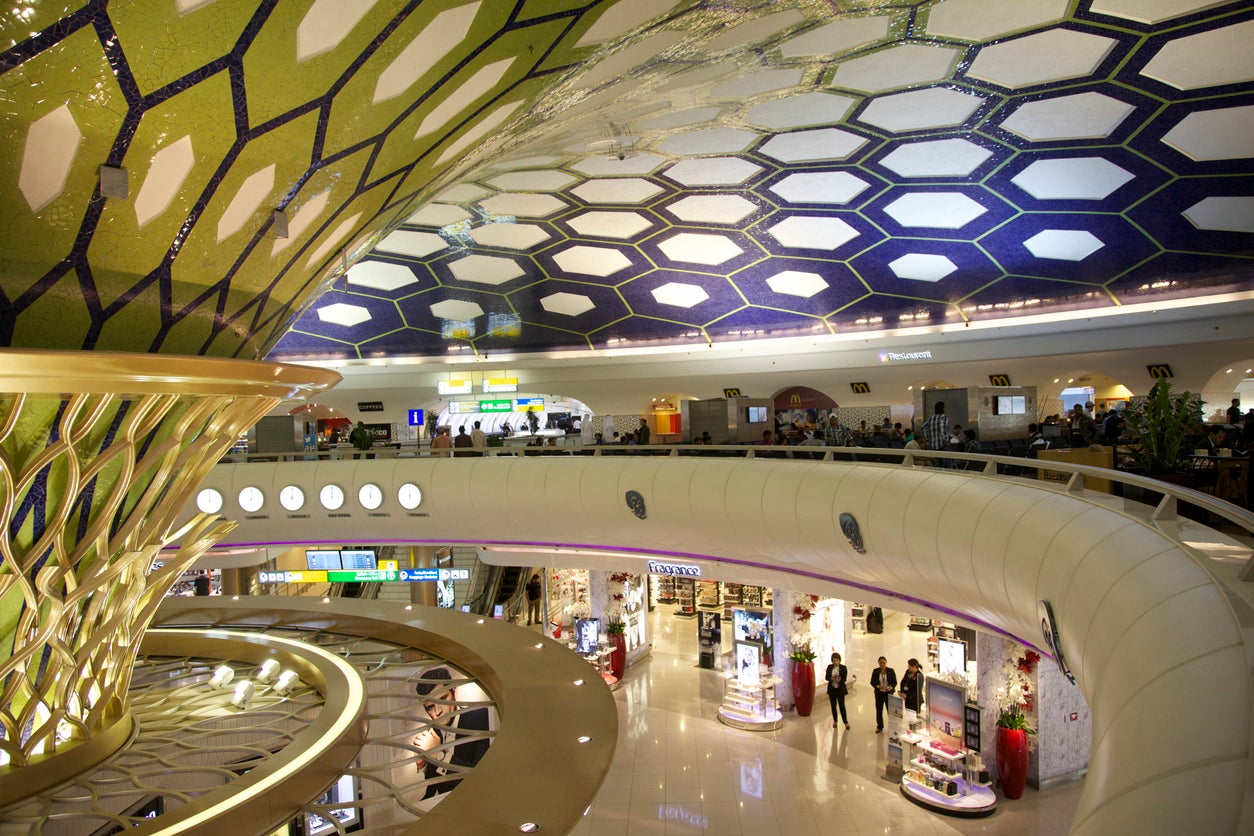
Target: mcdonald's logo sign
point(999, 380)
point(1159, 371)
point(860, 388)
point(794, 399)
point(733, 392)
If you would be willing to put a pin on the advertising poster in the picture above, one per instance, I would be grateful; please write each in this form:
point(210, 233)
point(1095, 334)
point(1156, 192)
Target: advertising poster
point(754, 626)
point(894, 751)
point(748, 664)
point(945, 712)
point(586, 631)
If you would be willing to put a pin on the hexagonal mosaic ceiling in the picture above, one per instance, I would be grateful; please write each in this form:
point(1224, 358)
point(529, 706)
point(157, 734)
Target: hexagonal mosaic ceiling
point(322, 180)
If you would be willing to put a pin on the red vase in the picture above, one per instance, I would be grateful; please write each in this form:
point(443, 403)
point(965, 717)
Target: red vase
point(618, 656)
point(1012, 760)
point(803, 687)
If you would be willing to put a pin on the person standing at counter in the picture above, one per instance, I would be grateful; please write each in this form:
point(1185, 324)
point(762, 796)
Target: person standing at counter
point(836, 676)
point(642, 434)
point(912, 686)
point(884, 681)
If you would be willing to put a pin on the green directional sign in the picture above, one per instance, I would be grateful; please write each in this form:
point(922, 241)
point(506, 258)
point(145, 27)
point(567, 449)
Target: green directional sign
point(361, 575)
point(496, 406)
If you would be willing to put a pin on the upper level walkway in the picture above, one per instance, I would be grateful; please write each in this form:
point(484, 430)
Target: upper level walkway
point(1149, 607)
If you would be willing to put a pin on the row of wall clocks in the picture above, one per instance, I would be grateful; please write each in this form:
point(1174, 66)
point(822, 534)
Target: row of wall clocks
point(292, 497)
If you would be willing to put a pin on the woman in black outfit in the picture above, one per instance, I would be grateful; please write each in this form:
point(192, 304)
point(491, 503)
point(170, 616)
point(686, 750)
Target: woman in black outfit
point(912, 686)
point(836, 676)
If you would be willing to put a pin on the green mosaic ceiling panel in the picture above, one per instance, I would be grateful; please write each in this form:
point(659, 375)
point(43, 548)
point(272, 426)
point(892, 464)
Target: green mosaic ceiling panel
point(536, 175)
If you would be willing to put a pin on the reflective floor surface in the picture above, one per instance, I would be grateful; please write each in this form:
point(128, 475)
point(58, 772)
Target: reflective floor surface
point(678, 770)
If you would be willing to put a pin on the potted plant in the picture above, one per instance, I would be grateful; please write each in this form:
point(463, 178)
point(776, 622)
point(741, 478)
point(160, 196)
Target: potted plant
point(1157, 429)
point(1013, 726)
point(615, 632)
point(802, 678)
point(361, 439)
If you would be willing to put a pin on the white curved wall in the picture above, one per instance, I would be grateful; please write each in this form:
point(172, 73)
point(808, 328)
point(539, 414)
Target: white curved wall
point(1152, 639)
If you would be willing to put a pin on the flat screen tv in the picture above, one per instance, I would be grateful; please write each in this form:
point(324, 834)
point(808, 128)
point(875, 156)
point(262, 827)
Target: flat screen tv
point(945, 717)
point(1010, 405)
point(357, 559)
point(758, 415)
point(586, 631)
point(323, 559)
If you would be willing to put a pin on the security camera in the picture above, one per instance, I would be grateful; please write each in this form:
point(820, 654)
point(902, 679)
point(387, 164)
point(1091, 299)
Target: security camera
point(622, 155)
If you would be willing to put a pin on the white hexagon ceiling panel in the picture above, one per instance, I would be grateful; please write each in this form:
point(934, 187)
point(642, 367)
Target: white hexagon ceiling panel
point(776, 158)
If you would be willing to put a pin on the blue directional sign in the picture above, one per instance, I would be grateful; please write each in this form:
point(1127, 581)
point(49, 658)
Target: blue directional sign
point(420, 575)
point(415, 417)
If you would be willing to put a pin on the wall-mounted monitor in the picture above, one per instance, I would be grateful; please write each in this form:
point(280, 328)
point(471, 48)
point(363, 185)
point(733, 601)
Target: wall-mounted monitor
point(952, 657)
point(358, 559)
point(945, 714)
point(323, 559)
point(1010, 405)
point(758, 415)
point(586, 631)
point(754, 626)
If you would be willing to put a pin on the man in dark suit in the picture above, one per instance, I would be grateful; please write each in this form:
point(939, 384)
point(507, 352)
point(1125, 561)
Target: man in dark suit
point(884, 682)
point(456, 728)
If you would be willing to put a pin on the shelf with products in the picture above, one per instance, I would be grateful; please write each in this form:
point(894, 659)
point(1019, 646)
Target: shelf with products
point(752, 596)
point(731, 598)
point(665, 589)
point(709, 595)
point(919, 625)
point(941, 778)
point(686, 595)
point(857, 617)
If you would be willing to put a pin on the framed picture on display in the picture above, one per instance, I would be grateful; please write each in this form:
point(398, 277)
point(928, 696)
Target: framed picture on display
point(945, 706)
point(748, 664)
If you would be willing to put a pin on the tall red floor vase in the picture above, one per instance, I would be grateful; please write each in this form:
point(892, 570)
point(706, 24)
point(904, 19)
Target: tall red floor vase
point(618, 656)
point(803, 687)
point(1012, 760)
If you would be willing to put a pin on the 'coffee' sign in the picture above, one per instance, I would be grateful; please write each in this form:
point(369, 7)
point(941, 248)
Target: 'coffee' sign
point(370, 406)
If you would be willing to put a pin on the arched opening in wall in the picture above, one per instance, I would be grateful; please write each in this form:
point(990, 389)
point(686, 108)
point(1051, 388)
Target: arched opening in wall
point(1102, 391)
point(801, 409)
point(504, 416)
point(663, 414)
point(1233, 381)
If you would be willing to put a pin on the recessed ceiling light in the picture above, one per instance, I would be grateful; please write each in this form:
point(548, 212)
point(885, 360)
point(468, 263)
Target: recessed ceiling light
point(529, 827)
point(1228, 372)
point(326, 600)
point(578, 682)
point(539, 645)
point(583, 738)
point(480, 621)
point(1055, 380)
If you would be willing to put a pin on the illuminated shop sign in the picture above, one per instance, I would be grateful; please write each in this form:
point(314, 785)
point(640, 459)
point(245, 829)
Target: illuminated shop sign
point(455, 387)
point(893, 356)
point(687, 570)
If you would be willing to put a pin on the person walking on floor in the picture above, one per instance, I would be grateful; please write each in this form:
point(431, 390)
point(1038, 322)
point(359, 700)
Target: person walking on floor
point(884, 681)
point(837, 676)
point(533, 600)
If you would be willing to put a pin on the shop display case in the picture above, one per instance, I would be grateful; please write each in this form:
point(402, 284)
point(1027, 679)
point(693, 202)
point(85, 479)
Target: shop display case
point(686, 597)
point(708, 595)
point(938, 778)
point(857, 618)
point(750, 707)
point(665, 589)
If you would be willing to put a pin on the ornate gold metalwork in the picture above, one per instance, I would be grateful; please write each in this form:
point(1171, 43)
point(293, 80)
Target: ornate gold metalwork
point(98, 454)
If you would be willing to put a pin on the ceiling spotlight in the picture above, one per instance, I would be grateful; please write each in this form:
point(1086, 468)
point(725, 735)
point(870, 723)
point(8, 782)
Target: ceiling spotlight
point(480, 621)
point(529, 827)
point(287, 681)
point(539, 645)
point(221, 677)
point(269, 668)
point(243, 695)
point(578, 682)
point(583, 738)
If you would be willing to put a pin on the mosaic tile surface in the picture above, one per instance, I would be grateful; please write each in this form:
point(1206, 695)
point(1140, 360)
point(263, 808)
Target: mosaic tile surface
point(535, 175)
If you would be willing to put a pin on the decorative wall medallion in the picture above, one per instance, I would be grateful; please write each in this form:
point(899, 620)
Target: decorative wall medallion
point(1049, 632)
point(849, 527)
point(636, 503)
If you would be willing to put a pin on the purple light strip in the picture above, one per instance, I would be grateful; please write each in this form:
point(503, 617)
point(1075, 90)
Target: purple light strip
point(646, 553)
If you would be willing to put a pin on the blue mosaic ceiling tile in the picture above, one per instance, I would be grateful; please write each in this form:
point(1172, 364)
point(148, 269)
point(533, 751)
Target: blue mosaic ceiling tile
point(805, 286)
point(717, 250)
point(533, 337)
point(687, 298)
point(1211, 136)
point(602, 262)
point(1079, 247)
point(759, 324)
point(569, 305)
point(296, 345)
point(1180, 275)
point(1201, 214)
point(1079, 180)
point(1025, 295)
point(877, 312)
point(944, 212)
point(456, 305)
point(814, 234)
point(644, 331)
point(942, 271)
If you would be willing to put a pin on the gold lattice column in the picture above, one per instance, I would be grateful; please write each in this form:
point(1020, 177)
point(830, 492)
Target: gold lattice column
point(98, 453)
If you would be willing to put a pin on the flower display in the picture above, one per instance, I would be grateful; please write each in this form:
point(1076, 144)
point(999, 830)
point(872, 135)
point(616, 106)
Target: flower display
point(1015, 696)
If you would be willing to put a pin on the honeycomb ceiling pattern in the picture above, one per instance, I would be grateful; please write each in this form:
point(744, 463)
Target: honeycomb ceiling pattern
point(466, 177)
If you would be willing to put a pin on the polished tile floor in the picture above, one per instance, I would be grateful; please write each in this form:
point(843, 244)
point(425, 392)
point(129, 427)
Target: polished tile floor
point(677, 770)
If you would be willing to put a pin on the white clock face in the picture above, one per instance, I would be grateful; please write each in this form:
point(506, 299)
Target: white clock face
point(251, 499)
point(409, 495)
point(292, 498)
point(370, 496)
point(209, 501)
point(331, 497)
